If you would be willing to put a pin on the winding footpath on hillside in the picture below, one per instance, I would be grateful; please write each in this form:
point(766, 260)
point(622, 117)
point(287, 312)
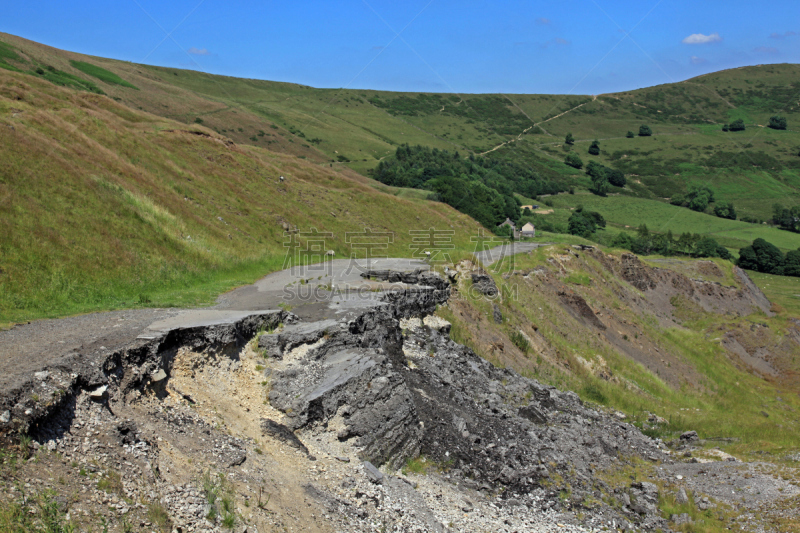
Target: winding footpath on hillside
point(535, 124)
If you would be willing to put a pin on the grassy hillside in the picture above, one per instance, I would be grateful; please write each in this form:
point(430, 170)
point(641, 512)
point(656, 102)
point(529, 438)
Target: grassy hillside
point(669, 360)
point(357, 128)
point(196, 153)
point(102, 206)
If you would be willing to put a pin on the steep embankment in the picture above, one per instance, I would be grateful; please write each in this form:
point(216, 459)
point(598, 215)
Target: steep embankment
point(198, 428)
point(103, 206)
point(270, 418)
point(614, 327)
point(675, 345)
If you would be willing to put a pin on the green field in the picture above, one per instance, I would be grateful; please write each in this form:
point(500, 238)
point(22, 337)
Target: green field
point(781, 290)
point(627, 213)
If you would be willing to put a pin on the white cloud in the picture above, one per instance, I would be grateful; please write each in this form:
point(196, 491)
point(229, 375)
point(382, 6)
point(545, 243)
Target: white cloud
point(694, 60)
point(198, 51)
point(544, 21)
point(699, 38)
point(782, 35)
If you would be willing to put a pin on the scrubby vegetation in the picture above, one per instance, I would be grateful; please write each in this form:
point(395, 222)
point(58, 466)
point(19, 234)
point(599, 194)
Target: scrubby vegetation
point(764, 256)
point(687, 244)
point(47, 72)
point(480, 187)
point(584, 223)
point(494, 111)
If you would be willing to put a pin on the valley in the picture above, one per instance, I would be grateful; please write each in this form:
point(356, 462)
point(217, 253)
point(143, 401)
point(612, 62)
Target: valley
point(242, 305)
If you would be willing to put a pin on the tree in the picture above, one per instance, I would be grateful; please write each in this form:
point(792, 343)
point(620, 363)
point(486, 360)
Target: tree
point(580, 225)
point(678, 199)
point(787, 218)
point(791, 265)
point(599, 186)
point(596, 218)
point(503, 231)
point(645, 131)
point(763, 257)
point(737, 125)
point(725, 127)
point(594, 149)
point(696, 188)
point(696, 198)
point(629, 135)
point(597, 172)
point(725, 210)
point(747, 258)
point(573, 160)
point(770, 258)
point(777, 122)
point(616, 177)
point(723, 253)
point(699, 202)
point(570, 140)
point(622, 240)
point(708, 247)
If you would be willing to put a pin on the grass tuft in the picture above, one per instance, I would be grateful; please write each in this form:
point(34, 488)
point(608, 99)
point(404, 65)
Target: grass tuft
point(101, 74)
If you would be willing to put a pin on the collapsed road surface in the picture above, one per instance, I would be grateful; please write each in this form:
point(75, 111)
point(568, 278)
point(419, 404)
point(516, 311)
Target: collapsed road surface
point(270, 415)
point(27, 348)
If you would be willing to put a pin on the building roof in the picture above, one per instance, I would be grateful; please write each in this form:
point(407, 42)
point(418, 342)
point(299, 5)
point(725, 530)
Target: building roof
point(528, 227)
point(507, 222)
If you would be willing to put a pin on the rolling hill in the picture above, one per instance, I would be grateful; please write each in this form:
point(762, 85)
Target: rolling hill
point(104, 206)
point(173, 154)
point(125, 185)
point(357, 128)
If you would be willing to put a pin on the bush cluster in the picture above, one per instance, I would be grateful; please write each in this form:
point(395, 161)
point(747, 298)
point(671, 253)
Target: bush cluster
point(764, 256)
point(480, 187)
point(697, 198)
point(691, 244)
point(584, 223)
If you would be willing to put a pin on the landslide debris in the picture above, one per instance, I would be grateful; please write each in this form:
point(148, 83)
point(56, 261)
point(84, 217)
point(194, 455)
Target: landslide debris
point(287, 426)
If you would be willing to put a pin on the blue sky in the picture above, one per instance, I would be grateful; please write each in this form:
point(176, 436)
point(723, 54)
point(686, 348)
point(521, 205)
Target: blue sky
point(576, 46)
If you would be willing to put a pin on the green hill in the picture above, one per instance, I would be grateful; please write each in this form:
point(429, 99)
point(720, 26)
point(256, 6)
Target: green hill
point(148, 140)
point(103, 206)
point(357, 128)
